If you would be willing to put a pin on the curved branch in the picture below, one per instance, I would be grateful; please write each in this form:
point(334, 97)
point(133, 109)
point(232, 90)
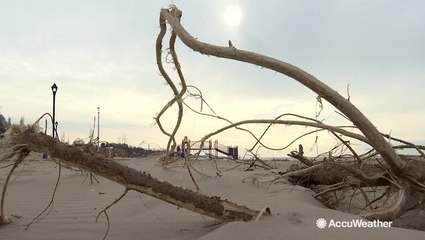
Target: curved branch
point(290, 122)
point(395, 205)
point(163, 27)
point(376, 140)
point(177, 94)
point(285, 122)
point(3, 194)
point(178, 97)
point(417, 147)
point(23, 152)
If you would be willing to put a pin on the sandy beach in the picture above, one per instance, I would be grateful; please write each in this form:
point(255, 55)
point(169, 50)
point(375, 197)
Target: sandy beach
point(78, 202)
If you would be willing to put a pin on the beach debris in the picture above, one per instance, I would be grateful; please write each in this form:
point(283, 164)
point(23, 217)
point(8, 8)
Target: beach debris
point(131, 179)
point(403, 176)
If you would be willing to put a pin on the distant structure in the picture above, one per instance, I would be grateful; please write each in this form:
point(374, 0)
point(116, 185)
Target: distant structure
point(110, 151)
point(211, 149)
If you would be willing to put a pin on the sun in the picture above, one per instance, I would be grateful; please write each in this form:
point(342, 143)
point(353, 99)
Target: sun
point(232, 16)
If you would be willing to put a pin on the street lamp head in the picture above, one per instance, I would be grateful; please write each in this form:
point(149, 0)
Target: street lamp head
point(54, 88)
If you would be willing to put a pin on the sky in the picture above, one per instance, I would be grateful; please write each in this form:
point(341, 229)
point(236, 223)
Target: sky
point(101, 53)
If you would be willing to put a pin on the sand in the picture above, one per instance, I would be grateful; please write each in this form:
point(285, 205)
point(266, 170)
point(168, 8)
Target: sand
point(136, 216)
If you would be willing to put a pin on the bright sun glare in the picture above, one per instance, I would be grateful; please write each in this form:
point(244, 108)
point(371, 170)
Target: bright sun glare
point(232, 16)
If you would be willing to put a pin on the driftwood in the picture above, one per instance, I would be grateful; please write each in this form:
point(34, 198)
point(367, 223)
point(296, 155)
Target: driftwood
point(405, 178)
point(404, 193)
point(131, 179)
point(376, 139)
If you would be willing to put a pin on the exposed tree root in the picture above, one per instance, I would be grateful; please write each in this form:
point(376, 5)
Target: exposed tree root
point(23, 152)
point(395, 205)
point(51, 204)
point(106, 214)
point(328, 178)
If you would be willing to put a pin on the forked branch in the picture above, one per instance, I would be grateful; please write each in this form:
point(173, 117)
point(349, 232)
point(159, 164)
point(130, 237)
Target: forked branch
point(376, 140)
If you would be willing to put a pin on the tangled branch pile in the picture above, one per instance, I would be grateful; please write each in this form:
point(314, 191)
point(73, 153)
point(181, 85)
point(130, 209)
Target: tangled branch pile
point(402, 176)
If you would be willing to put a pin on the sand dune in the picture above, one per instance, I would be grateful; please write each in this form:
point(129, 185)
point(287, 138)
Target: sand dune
point(138, 216)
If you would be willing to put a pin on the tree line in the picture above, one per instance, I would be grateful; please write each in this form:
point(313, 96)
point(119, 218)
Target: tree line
point(132, 151)
point(4, 125)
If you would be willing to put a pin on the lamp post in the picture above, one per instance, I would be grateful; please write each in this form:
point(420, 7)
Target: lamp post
point(98, 120)
point(56, 129)
point(54, 90)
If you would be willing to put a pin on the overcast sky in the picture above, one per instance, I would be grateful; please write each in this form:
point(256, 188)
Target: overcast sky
point(101, 53)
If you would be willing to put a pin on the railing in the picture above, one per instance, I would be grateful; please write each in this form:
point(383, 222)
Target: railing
point(187, 146)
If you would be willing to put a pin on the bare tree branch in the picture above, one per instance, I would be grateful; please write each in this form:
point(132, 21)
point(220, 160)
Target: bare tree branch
point(376, 140)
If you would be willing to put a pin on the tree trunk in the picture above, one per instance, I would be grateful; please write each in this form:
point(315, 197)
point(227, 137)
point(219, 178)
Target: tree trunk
point(132, 179)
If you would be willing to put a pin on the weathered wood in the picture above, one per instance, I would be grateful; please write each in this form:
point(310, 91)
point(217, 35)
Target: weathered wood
point(396, 170)
point(395, 205)
point(375, 138)
point(134, 180)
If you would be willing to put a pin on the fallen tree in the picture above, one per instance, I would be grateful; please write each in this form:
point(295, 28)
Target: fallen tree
point(404, 177)
point(24, 140)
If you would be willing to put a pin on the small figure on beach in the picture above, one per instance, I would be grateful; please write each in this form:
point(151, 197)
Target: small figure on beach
point(180, 153)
